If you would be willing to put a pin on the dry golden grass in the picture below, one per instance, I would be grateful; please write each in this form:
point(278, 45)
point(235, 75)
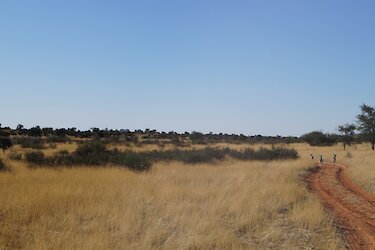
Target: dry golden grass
point(362, 166)
point(70, 147)
point(231, 204)
point(361, 161)
point(227, 205)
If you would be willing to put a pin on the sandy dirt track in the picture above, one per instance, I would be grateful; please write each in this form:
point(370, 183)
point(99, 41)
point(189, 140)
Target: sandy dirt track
point(353, 207)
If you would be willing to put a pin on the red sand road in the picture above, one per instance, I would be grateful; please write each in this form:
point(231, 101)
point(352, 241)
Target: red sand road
point(354, 208)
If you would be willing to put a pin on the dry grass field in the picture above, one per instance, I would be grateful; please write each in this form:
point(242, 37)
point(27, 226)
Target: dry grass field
point(361, 160)
point(362, 170)
point(224, 205)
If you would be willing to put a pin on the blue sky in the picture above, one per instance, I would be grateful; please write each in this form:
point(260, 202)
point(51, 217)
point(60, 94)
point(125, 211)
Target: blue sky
point(252, 67)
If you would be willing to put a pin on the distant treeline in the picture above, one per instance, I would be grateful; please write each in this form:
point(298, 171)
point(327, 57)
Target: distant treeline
point(38, 138)
point(146, 136)
point(318, 138)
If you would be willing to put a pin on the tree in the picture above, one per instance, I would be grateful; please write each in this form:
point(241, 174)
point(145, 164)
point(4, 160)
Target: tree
point(366, 123)
point(347, 130)
point(317, 138)
point(19, 127)
point(5, 142)
point(35, 131)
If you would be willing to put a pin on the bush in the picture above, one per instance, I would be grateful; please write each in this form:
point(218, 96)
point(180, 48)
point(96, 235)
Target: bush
point(318, 138)
point(57, 139)
point(201, 156)
point(91, 153)
point(210, 154)
point(265, 154)
point(35, 158)
point(3, 166)
point(5, 143)
point(133, 161)
point(15, 156)
point(31, 142)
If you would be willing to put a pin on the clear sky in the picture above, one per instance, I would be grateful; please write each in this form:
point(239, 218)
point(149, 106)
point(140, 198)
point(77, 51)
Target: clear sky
point(252, 67)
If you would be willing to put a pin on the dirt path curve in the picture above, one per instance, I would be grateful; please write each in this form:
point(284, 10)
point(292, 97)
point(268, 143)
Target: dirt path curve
point(354, 208)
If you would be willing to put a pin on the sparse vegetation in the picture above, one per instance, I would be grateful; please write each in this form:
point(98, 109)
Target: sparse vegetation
point(92, 153)
point(13, 155)
point(3, 166)
point(95, 153)
point(31, 142)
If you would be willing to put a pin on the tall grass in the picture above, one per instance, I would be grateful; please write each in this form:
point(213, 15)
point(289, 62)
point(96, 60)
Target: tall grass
point(231, 205)
point(3, 166)
point(234, 205)
point(360, 159)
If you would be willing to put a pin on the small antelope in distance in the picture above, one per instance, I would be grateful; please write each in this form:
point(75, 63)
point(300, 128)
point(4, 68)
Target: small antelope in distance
point(334, 158)
point(321, 159)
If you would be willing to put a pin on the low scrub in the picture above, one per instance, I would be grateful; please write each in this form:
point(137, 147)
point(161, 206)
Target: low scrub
point(35, 158)
point(57, 139)
point(187, 156)
point(211, 154)
point(265, 154)
point(15, 156)
point(39, 142)
point(31, 142)
point(132, 160)
point(95, 153)
point(3, 166)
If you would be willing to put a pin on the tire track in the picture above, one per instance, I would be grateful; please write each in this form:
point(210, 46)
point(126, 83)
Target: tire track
point(354, 208)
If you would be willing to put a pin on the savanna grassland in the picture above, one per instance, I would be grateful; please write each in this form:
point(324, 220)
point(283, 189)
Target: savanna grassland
point(228, 204)
point(360, 159)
